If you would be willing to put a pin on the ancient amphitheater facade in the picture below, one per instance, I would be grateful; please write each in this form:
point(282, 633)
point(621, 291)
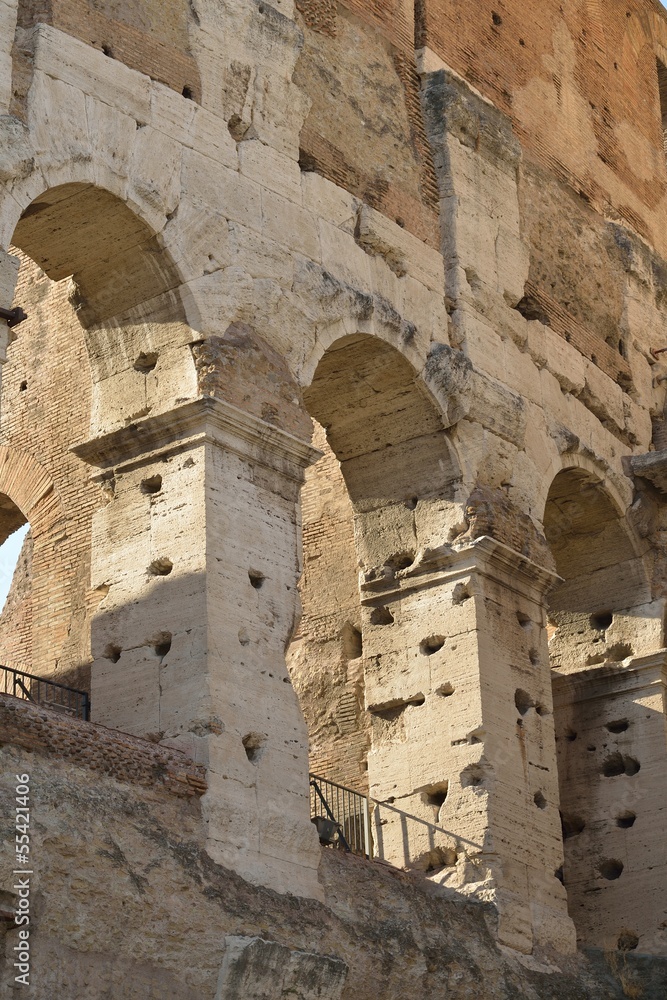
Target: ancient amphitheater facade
point(337, 419)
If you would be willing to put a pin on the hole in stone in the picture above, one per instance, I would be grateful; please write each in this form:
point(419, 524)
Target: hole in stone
point(571, 826)
point(435, 860)
point(445, 690)
point(187, 93)
point(497, 19)
point(435, 795)
point(399, 561)
point(626, 819)
point(617, 763)
point(145, 363)
point(522, 700)
point(352, 642)
point(534, 657)
point(381, 616)
point(151, 485)
point(162, 643)
point(472, 776)
point(161, 567)
point(619, 651)
point(256, 579)
point(610, 869)
point(460, 594)
point(237, 128)
point(523, 620)
point(627, 940)
point(389, 713)
point(539, 800)
point(619, 726)
point(541, 709)
point(559, 875)
point(253, 744)
point(23, 386)
point(412, 503)
point(570, 735)
point(112, 652)
point(431, 645)
point(601, 621)
point(106, 49)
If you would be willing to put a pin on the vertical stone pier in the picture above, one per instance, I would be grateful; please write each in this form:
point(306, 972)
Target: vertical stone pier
point(196, 557)
point(458, 679)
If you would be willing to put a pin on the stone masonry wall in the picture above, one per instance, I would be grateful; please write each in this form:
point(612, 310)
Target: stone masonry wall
point(126, 900)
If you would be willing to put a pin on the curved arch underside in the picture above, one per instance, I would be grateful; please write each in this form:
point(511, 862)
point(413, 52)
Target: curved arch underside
point(85, 231)
point(382, 427)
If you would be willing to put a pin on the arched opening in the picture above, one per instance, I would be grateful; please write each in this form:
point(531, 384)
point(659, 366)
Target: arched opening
point(105, 332)
point(600, 620)
point(383, 491)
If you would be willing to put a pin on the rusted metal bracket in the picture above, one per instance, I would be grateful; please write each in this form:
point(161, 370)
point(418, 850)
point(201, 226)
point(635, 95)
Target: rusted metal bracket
point(13, 316)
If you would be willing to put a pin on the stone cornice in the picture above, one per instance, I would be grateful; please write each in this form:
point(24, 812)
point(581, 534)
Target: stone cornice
point(607, 679)
point(485, 556)
point(202, 420)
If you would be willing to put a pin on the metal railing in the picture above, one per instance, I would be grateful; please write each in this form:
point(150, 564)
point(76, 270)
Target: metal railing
point(341, 815)
point(64, 699)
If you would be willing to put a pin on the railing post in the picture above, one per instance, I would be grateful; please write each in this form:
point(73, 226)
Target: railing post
point(367, 828)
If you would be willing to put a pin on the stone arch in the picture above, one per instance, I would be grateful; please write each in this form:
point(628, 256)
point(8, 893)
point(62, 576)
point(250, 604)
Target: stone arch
point(617, 486)
point(126, 294)
point(384, 489)
point(590, 537)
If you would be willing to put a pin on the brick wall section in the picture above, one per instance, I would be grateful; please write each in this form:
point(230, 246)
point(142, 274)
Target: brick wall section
point(319, 15)
point(45, 409)
point(150, 36)
point(407, 72)
point(326, 670)
point(587, 342)
point(595, 62)
point(126, 758)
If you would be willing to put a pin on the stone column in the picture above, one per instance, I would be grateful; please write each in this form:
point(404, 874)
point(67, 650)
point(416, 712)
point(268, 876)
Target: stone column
point(458, 679)
point(196, 561)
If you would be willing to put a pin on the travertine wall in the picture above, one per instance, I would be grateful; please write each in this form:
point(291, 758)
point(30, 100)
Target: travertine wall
point(249, 215)
point(379, 932)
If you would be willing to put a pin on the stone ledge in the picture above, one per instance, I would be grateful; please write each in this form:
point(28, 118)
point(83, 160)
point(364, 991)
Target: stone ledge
point(119, 755)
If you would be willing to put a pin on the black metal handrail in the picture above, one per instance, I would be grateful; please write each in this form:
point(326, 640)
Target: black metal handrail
point(65, 699)
point(346, 822)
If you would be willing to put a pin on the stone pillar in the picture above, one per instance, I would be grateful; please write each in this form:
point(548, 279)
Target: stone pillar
point(612, 757)
point(458, 679)
point(196, 562)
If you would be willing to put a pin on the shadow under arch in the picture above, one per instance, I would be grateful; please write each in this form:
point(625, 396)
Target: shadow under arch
point(384, 488)
point(381, 424)
point(595, 549)
point(87, 231)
